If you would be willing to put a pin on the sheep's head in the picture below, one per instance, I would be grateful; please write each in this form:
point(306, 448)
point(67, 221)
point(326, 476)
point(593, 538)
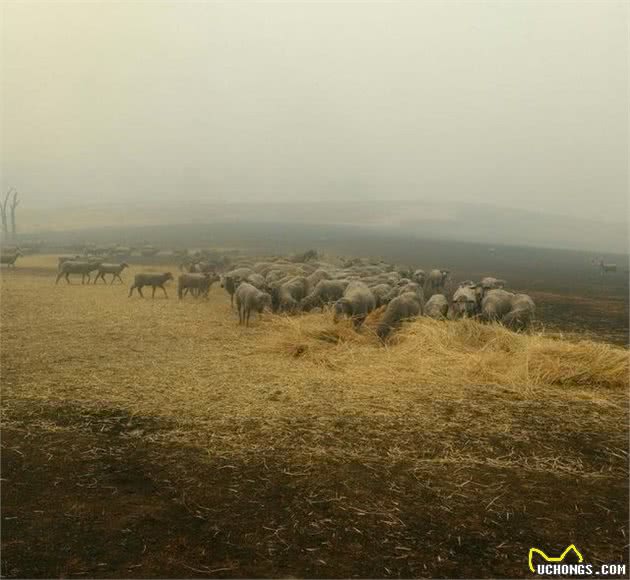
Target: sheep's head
point(264, 301)
point(342, 306)
point(124, 265)
point(168, 276)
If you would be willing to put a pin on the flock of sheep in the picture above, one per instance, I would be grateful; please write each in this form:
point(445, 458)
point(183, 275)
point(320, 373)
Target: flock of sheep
point(352, 288)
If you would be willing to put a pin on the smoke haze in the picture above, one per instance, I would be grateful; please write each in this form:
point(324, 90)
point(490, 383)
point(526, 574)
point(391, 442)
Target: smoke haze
point(518, 105)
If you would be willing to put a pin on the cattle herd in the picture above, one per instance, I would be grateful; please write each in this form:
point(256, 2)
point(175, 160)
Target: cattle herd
point(352, 288)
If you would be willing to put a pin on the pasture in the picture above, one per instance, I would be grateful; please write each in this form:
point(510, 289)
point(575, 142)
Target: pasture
point(146, 438)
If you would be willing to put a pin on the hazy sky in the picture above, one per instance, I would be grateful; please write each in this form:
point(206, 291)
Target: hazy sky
point(522, 104)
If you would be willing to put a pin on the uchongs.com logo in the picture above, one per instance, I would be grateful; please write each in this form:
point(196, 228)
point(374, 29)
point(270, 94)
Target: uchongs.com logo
point(556, 566)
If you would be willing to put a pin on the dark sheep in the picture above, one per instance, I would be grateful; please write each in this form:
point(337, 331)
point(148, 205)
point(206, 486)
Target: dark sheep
point(403, 307)
point(153, 280)
point(325, 292)
point(357, 302)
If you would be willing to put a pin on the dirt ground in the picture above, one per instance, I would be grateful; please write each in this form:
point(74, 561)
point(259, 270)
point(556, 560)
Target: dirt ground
point(156, 438)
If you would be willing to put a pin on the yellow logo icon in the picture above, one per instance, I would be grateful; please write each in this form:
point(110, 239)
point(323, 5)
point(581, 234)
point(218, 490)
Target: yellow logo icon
point(550, 559)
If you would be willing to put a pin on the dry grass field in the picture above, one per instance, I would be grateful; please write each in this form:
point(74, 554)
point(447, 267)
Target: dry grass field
point(157, 438)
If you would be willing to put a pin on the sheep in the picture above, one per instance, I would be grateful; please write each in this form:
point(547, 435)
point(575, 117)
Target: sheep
point(285, 297)
point(9, 258)
point(114, 269)
point(230, 284)
point(357, 302)
point(404, 285)
point(522, 313)
point(605, 268)
point(466, 300)
point(256, 280)
point(496, 304)
point(197, 284)
point(63, 259)
point(381, 293)
point(274, 275)
point(318, 275)
point(202, 267)
point(83, 268)
point(249, 298)
point(436, 307)
point(232, 279)
point(325, 292)
point(403, 307)
point(490, 283)
point(153, 280)
point(419, 276)
point(417, 290)
point(435, 282)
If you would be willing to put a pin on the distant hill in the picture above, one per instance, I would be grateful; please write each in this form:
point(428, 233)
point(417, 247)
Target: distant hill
point(463, 222)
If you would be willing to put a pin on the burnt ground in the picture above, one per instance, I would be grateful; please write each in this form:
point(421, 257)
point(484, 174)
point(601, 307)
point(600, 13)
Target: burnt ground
point(88, 495)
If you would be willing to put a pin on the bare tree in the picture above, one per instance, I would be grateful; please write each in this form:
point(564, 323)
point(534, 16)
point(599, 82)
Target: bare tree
point(3, 213)
point(14, 204)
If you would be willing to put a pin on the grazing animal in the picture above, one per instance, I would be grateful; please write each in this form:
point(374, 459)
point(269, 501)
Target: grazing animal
point(514, 310)
point(248, 299)
point(405, 286)
point(606, 268)
point(114, 269)
point(357, 302)
point(232, 279)
point(197, 284)
point(9, 258)
point(436, 307)
point(256, 280)
point(522, 313)
point(489, 283)
point(403, 307)
point(230, 283)
point(316, 277)
point(496, 304)
point(203, 267)
point(286, 297)
point(419, 276)
point(325, 292)
point(466, 301)
point(83, 268)
point(435, 282)
point(63, 259)
point(381, 294)
point(153, 280)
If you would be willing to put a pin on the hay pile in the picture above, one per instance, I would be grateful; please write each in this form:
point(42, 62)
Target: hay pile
point(451, 353)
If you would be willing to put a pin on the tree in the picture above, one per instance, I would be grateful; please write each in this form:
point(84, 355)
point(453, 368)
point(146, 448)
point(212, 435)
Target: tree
point(14, 204)
point(4, 214)
point(7, 211)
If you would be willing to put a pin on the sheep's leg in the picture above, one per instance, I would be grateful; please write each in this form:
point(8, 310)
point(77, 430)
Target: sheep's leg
point(68, 277)
point(152, 291)
point(247, 314)
point(139, 289)
point(130, 291)
point(58, 277)
point(164, 290)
